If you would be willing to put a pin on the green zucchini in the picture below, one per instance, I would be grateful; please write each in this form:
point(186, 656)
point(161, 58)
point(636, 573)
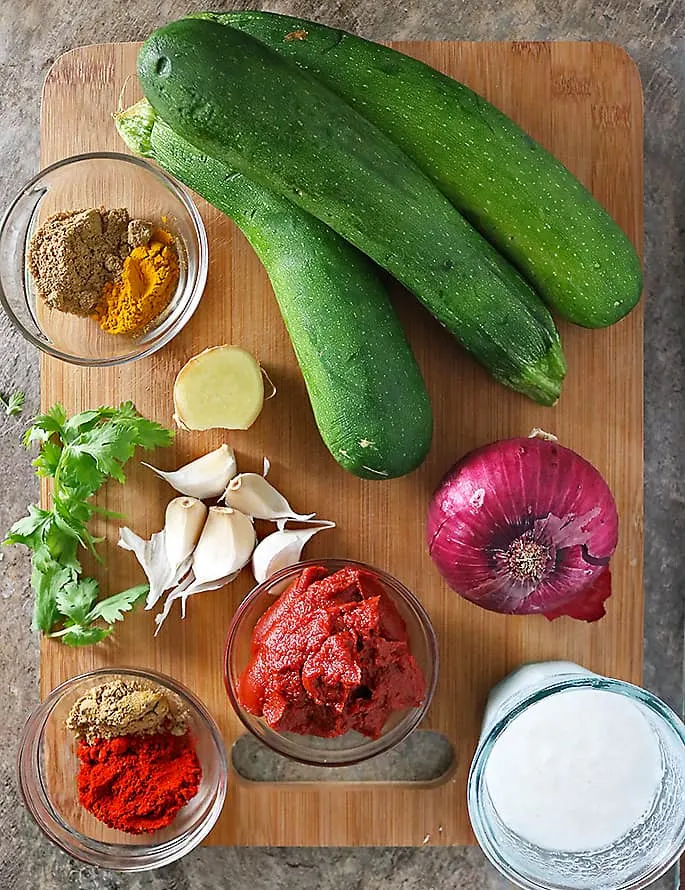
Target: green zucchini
point(237, 101)
point(517, 194)
point(369, 399)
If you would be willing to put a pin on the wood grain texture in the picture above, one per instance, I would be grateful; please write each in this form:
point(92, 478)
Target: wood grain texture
point(582, 101)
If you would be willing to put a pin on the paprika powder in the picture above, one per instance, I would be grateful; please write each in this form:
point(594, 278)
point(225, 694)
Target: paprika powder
point(138, 783)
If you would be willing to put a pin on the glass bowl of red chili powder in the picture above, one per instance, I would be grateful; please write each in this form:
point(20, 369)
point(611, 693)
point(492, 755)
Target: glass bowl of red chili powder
point(178, 776)
point(331, 662)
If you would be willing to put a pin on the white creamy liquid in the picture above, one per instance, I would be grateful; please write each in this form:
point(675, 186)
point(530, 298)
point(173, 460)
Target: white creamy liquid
point(575, 771)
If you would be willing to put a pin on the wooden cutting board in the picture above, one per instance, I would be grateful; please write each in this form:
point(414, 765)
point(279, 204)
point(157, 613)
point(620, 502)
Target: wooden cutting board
point(582, 101)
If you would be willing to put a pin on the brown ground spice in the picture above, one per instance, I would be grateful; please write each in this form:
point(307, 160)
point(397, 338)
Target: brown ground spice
point(127, 707)
point(74, 254)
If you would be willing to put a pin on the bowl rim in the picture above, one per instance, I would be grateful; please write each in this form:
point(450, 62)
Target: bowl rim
point(195, 288)
point(475, 786)
point(121, 857)
point(385, 742)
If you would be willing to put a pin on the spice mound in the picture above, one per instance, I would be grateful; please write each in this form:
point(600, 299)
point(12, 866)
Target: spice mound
point(138, 783)
point(138, 763)
point(331, 655)
point(127, 707)
point(103, 264)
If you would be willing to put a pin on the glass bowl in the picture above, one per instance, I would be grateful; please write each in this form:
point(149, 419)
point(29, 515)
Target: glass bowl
point(352, 747)
point(48, 767)
point(635, 860)
point(103, 179)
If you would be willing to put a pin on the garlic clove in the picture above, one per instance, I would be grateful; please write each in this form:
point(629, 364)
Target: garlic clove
point(184, 520)
point(152, 556)
point(282, 548)
point(225, 545)
point(206, 477)
point(255, 497)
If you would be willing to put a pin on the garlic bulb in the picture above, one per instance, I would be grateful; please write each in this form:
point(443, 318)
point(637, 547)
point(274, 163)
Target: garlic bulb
point(282, 548)
point(205, 477)
point(255, 497)
point(166, 557)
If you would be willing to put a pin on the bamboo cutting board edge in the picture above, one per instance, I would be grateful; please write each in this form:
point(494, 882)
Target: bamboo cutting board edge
point(581, 100)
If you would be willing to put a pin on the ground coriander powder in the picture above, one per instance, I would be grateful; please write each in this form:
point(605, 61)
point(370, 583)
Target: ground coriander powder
point(127, 707)
point(75, 254)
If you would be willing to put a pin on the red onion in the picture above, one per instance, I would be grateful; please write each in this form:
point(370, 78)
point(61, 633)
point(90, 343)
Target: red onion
point(525, 526)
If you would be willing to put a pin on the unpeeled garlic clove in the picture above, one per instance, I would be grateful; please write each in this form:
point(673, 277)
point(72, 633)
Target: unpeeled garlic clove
point(282, 548)
point(225, 545)
point(205, 477)
point(184, 520)
point(166, 556)
point(255, 497)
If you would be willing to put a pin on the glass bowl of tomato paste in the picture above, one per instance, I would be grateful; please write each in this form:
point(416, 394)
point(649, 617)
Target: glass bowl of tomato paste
point(331, 662)
point(192, 760)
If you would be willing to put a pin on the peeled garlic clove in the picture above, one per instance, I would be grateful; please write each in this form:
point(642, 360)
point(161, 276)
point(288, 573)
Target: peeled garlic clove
point(282, 548)
point(205, 477)
point(253, 495)
point(152, 556)
point(225, 545)
point(183, 524)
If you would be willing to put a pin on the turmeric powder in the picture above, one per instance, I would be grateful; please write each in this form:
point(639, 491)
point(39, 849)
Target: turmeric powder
point(143, 289)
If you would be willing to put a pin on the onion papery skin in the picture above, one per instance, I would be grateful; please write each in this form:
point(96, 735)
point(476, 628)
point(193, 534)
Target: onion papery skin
point(522, 495)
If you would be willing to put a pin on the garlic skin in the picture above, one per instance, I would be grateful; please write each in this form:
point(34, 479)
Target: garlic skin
point(185, 590)
point(255, 497)
point(205, 477)
point(281, 549)
point(225, 545)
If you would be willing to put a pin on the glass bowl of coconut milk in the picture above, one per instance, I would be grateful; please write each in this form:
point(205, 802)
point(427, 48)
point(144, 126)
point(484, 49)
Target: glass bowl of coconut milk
point(578, 781)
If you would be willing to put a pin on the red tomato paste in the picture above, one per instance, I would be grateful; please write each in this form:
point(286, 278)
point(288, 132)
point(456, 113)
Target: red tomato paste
point(331, 654)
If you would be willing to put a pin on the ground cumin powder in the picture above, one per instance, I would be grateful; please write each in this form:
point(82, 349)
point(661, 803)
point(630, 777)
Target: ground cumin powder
point(104, 264)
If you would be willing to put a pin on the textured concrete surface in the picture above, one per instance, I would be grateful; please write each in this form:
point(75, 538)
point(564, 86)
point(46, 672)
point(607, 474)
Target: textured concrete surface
point(32, 34)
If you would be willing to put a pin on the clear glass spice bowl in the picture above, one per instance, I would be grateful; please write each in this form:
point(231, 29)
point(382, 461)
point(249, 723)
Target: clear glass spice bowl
point(48, 769)
point(351, 748)
point(103, 179)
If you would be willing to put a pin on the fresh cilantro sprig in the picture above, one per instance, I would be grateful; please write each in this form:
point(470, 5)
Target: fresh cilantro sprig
point(79, 454)
point(13, 404)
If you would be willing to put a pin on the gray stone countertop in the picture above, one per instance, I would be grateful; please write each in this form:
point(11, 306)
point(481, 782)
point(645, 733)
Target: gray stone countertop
point(32, 34)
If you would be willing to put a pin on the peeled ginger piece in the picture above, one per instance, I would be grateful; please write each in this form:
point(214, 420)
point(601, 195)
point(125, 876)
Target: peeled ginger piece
point(220, 388)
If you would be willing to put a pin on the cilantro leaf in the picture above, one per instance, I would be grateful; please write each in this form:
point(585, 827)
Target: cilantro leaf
point(113, 607)
point(48, 458)
point(30, 530)
point(13, 404)
point(76, 599)
point(47, 577)
point(80, 453)
point(78, 635)
point(46, 425)
point(86, 420)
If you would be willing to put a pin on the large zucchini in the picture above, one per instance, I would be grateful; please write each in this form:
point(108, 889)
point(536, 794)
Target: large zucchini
point(239, 102)
point(519, 196)
point(366, 390)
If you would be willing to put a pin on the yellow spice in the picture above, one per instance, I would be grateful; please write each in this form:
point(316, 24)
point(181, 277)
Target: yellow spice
point(143, 290)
